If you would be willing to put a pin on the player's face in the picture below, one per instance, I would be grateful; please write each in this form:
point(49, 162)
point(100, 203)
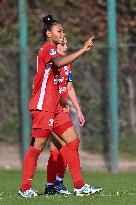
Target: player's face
point(62, 47)
point(56, 35)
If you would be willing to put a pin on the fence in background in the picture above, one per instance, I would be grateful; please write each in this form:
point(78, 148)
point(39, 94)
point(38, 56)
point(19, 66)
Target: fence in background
point(90, 81)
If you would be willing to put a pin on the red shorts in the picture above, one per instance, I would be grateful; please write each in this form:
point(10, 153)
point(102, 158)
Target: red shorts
point(62, 122)
point(42, 123)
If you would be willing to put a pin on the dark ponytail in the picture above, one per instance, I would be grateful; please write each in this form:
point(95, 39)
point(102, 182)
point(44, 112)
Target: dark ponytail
point(48, 22)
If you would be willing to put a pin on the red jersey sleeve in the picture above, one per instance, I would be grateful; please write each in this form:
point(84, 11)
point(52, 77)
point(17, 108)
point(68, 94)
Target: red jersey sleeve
point(49, 52)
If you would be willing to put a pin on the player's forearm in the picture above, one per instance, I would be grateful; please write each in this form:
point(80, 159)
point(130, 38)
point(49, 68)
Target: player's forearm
point(73, 97)
point(62, 61)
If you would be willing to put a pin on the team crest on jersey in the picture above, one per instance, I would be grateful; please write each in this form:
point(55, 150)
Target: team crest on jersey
point(52, 52)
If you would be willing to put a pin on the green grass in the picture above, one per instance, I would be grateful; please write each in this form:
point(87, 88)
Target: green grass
point(118, 189)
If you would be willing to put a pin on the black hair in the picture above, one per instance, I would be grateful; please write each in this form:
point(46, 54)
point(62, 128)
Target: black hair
point(48, 22)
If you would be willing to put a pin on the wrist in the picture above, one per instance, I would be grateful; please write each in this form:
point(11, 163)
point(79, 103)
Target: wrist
point(83, 50)
point(78, 109)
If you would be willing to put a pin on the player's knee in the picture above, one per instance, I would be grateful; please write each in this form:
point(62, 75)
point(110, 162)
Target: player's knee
point(38, 143)
point(71, 138)
point(74, 144)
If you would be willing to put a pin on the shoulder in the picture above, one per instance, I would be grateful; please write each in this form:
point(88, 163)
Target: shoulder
point(51, 49)
point(48, 50)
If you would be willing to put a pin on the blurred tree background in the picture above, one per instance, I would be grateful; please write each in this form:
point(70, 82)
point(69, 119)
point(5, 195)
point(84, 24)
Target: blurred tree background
point(81, 19)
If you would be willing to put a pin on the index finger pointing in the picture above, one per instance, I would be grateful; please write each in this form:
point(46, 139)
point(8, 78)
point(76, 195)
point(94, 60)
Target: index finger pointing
point(92, 38)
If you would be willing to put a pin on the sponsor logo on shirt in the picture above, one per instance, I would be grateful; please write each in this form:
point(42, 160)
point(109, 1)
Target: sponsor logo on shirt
point(62, 90)
point(61, 80)
point(52, 52)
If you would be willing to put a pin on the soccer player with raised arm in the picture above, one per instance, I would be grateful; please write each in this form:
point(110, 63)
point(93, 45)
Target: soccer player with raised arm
point(57, 163)
point(43, 106)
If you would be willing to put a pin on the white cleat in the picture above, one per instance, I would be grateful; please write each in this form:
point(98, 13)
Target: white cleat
point(95, 190)
point(27, 194)
point(87, 190)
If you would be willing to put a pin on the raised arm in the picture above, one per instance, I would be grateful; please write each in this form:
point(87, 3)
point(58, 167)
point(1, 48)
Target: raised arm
point(65, 60)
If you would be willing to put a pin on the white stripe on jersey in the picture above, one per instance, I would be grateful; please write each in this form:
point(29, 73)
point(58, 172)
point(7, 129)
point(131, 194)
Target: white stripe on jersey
point(43, 88)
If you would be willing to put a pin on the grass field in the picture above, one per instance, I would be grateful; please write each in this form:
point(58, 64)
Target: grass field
point(118, 189)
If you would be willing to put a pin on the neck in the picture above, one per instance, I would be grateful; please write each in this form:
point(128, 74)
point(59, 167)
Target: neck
point(52, 43)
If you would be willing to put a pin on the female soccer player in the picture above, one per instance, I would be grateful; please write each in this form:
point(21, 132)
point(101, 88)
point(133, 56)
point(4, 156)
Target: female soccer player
point(66, 90)
point(57, 163)
point(43, 105)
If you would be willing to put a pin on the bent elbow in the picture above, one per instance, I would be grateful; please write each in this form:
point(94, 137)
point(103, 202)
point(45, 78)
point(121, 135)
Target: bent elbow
point(59, 64)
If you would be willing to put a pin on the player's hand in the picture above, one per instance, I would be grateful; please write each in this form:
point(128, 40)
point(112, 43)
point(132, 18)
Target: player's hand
point(88, 44)
point(81, 117)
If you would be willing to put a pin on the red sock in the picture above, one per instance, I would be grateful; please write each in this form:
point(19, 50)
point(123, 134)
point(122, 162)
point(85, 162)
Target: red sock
point(52, 166)
point(61, 164)
point(70, 151)
point(78, 184)
point(29, 166)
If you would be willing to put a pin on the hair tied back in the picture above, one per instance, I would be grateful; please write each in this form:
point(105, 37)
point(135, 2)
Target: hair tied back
point(47, 19)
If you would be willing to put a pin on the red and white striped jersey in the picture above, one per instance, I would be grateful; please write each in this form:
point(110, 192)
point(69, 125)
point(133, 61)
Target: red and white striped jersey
point(45, 94)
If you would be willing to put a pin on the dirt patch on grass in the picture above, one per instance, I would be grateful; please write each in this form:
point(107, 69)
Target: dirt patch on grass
point(10, 159)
